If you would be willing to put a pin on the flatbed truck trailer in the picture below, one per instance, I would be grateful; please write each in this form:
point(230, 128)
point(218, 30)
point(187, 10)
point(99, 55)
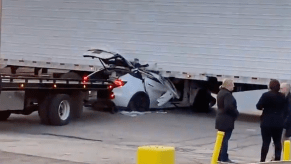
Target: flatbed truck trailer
point(195, 43)
point(57, 100)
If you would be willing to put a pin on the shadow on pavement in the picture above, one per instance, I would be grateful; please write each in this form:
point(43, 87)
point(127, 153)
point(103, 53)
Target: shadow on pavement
point(14, 158)
point(212, 113)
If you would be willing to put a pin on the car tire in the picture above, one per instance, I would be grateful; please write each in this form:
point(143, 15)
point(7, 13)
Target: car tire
point(4, 115)
point(60, 110)
point(139, 102)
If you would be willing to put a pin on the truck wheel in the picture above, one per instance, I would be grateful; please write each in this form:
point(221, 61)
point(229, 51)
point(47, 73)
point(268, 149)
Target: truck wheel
point(202, 101)
point(212, 102)
point(60, 110)
point(77, 103)
point(139, 102)
point(4, 115)
point(77, 97)
point(43, 110)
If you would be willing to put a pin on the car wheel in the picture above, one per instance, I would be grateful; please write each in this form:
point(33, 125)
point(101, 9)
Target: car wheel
point(139, 102)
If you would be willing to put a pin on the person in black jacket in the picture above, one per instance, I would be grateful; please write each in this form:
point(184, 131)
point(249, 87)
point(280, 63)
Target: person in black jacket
point(273, 104)
point(285, 89)
point(226, 115)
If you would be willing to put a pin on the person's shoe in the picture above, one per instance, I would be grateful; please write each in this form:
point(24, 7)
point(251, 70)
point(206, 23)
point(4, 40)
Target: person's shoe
point(228, 161)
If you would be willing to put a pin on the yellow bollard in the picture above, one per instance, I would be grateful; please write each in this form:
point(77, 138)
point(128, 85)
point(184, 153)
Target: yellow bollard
point(217, 147)
point(286, 156)
point(155, 155)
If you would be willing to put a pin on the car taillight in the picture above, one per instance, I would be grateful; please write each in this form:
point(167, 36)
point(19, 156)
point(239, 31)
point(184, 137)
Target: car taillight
point(110, 87)
point(85, 79)
point(119, 83)
point(112, 96)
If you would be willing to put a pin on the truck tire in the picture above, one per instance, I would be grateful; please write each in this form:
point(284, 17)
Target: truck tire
point(76, 97)
point(43, 110)
point(139, 102)
point(60, 110)
point(77, 104)
point(203, 101)
point(4, 115)
point(212, 102)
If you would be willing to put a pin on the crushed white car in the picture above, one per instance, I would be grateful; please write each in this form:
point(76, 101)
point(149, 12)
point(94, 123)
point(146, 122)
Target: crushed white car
point(136, 88)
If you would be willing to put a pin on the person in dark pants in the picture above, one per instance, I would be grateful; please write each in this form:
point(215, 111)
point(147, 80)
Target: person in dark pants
point(227, 113)
point(274, 106)
point(285, 89)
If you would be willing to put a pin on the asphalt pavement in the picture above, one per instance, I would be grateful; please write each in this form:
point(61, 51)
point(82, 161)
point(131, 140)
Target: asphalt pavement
point(104, 138)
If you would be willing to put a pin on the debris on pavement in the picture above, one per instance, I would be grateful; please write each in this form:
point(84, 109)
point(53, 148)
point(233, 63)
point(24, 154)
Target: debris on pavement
point(133, 113)
point(136, 113)
point(161, 111)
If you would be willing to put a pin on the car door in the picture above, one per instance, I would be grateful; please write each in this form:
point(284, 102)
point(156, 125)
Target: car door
point(154, 88)
point(163, 90)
